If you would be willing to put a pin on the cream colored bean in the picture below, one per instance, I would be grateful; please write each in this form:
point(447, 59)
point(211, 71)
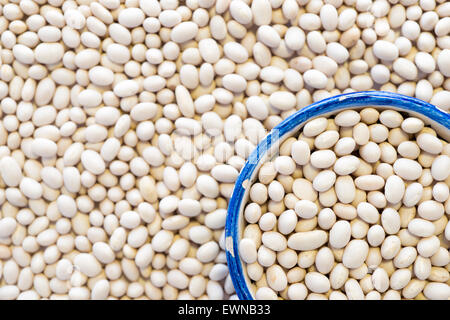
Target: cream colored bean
point(369, 182)
point(347, 118)
point(437, 291)
point(390, 220)
point(385, 50)
point(394, 189)
point(10, 171)
point(355, 253)
point(323, 158)
point(345, 189)
point(306, 209)
point(309, 240)
point(440, 168)
point(353, 290)
point(380, 280)
point(407, 169)
point(315, 127)
point(413, 194)
point(430, 210)
point(429, 143)
point(268, 36)
point(346, 165)
point(283, 100)
point(368, 212)
point(300, 152)
point(421, 227)
point(317, 282)
point(428, 246)
point(276, 278)
point(49, 53)
point(405, 257)
point(123, 169)
point(340, 234)
point(274, 241)
point(390, 247)
point(338, 276)
point(247, 250)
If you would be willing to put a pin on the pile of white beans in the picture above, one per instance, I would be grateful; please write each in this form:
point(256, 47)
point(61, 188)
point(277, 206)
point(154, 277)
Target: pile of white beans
point(356, 208)
point(124, 124)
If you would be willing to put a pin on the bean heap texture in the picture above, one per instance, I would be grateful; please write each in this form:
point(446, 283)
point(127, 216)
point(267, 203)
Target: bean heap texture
point(356, 207)
point(124, 124)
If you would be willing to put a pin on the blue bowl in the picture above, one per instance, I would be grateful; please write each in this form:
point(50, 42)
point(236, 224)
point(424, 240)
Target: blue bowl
point(431, 115)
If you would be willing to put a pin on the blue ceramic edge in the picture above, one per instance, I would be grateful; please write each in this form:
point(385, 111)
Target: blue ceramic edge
point(332, 104)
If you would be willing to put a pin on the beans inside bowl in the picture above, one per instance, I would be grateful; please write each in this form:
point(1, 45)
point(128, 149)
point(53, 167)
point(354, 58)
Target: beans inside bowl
point(354, 206)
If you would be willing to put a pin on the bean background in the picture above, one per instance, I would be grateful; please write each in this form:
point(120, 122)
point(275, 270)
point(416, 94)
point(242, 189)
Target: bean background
point(124, 125)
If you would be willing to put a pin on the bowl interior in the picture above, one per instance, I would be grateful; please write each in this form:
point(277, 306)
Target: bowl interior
point(268, 148)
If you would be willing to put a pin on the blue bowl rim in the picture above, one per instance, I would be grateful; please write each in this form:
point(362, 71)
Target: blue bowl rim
point(329, 105)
